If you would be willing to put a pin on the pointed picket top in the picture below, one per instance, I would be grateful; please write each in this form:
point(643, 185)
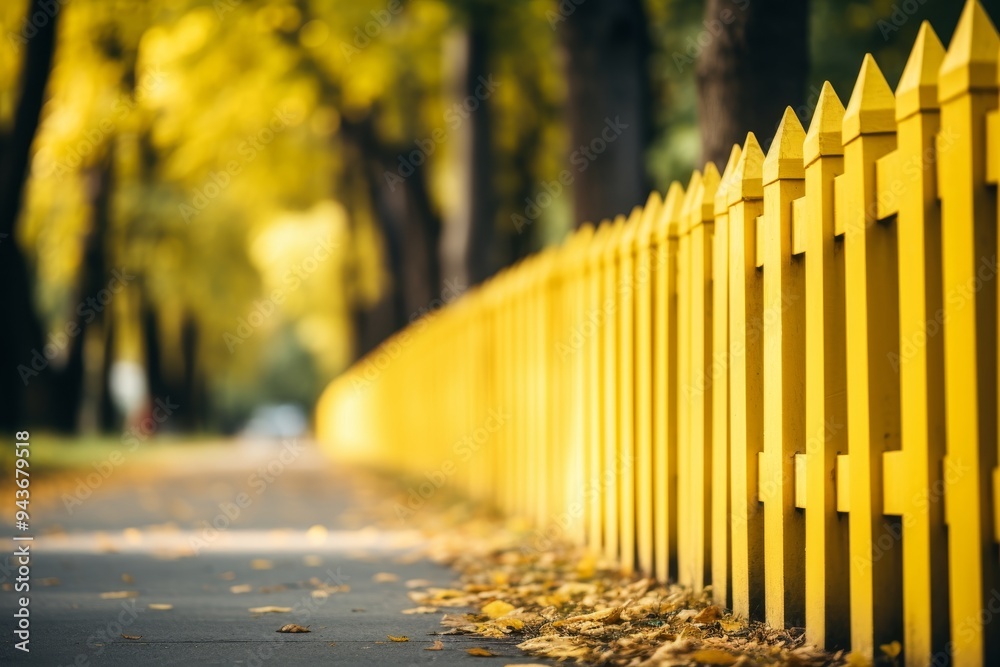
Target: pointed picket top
point(722, 193)
point(670, 213)
point(918, 86)
point(595, 249)
point(826, 128)
point(872, 107)
point(626, 242)
point(784, 157)
point(650, 214)
point(748, 178)
point(689, 192)
point(703, 206)
point(971, 60)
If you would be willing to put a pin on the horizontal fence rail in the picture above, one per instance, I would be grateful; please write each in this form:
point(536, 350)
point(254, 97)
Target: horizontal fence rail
point(779, 381)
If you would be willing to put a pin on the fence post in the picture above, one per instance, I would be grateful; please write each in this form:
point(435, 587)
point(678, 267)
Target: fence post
point(643, 469)
point(869, 132)
point(746, 388)
point(827, 584)
point(719, 364)
point(967, 91)
point(594, 349)
point(625, 460)
point(907, 183)
point(611, 303)
point(665, 362)
point(784, 378)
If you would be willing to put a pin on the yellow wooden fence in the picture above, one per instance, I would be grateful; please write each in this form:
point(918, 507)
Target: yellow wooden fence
point(779, 381)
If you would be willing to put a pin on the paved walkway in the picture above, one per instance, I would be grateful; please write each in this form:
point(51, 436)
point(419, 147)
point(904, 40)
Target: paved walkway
point(134, 558)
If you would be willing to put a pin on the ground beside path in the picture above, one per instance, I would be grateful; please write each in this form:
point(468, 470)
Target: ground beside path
point(160, 561)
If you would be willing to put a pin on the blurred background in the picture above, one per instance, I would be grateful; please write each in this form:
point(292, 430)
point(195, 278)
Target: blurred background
point(208, 208)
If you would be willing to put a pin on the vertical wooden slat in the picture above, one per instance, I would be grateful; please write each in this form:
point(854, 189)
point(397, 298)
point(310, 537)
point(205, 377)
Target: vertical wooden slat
point(665, 362)
point(869, 132)
point(921, 361)
point(967, 91)
point(784, 378)
point(643, 468)
point(827, 609)
point(625, 297)
point(719, 488)
point(746, 196)
point(610, 304)
point(685, 505)
point(594, 348)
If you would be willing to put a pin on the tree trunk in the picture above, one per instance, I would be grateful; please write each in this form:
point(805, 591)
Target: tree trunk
point(607, 47)
point(23, 332)
point(753, 67)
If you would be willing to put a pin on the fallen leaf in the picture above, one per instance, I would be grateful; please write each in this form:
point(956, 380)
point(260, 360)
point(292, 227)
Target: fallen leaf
point(49, 581)
point(479, 652)
point(240, 588)
point(118, 595)
point(385, 577)
point(498, 608)
point(291, 627)
point(270, 609)
point(128, 578)
point(261, 564)
point(132, 637)
point(708, 615)
point(857, 659)
point(419, 583)
point(421, 610)
point(159, 606)
point(312, 561)
point(892, 650)
point(320, 595)
point(399, 638)
point(713, 656)
point(227, 576)
point(274, 588)
point(358, 610)
point(436, 646)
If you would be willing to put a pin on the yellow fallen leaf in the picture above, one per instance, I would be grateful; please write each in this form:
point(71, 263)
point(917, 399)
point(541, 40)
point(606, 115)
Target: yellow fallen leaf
point(261, 564)
point(479, 652)
point(132, 637)
point(421, 610)
point(713, 656)
point(436, 646)
point(320, 595)
point(708, 615)
point(159, 606)
point(498, 608)
point(270, 609)
point(291, 627)
point(240, 588)
point(398, 638)
point(892, 650)
point(118, 595)
point(857, 659)
point(419, 583)
point(385, 577)
point(227, 576)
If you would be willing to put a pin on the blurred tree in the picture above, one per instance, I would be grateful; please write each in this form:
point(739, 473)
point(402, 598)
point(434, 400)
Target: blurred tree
point(607, 48)
point(22, 337)
point(753, 59)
